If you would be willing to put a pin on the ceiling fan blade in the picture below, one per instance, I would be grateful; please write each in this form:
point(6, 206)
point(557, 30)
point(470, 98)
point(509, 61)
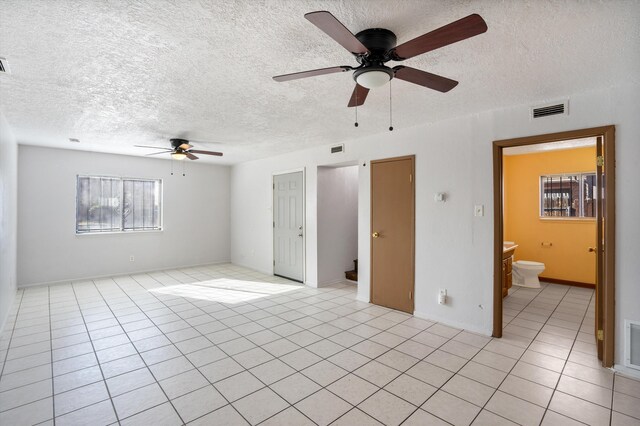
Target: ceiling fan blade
point(312, 73)
point(190, 156)
point(185, 146)
point(197, 151)
point(461, 29)
point(423, 78)
point(337, 31)
point(358, 96)
point(156, 153)
point(155, 147)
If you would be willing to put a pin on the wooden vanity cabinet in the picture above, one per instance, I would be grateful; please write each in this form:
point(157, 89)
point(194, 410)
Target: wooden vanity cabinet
point(507, 259)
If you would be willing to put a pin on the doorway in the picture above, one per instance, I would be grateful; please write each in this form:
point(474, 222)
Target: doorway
point(605, 240)
point(393, 233)
point(337, 221)
point(288, 225)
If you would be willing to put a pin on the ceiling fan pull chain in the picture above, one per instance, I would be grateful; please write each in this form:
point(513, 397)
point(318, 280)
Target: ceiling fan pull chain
point(356, 123)
point(183, 165)
point(171, 167)
point(390, 110)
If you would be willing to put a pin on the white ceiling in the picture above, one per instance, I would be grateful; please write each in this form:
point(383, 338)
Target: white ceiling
point(550, 146)
point(118, 73)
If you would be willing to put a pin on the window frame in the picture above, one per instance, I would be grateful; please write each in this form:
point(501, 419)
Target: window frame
point(581, 207)
point(122, 229)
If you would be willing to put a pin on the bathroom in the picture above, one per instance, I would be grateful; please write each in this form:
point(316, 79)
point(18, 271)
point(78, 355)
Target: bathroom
point(549, 214)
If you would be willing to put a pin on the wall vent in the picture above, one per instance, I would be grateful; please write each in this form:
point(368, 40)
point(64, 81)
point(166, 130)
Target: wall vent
point(336, 149)
point(558, 108)
point(632, 344)
point(4, 66)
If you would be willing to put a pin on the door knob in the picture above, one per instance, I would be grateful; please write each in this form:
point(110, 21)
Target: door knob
point(592, 250)
point(375, 235)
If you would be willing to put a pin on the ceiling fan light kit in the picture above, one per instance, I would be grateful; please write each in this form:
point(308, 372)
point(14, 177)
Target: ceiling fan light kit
point(373, 47)
point(373, 76)
point(178, 155)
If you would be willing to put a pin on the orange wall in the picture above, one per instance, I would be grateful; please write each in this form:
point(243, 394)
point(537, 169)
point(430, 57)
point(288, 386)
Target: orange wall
point(568, 258)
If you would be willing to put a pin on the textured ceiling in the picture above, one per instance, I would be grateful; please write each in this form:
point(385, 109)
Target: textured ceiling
point(118, 73)
point(550, 146)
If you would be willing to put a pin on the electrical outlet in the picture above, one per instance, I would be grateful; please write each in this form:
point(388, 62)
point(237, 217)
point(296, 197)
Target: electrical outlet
point(442, 296)
point(132, 258)
point(478, 210)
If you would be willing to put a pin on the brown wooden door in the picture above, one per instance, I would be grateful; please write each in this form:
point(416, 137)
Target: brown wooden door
point(392, 233)
point(600, 194)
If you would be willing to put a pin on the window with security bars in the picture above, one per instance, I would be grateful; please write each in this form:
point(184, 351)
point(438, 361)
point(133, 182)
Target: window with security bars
point(568, 195)
point(113, 204)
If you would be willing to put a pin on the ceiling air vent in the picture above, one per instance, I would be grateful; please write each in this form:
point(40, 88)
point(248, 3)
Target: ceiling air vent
point(336, 149)
point(4, 66)
point(560, 108)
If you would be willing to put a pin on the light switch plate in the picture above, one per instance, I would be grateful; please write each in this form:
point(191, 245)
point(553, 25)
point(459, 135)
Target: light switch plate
point(478, 210)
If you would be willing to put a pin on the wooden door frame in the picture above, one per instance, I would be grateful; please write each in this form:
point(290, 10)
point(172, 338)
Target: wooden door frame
point(304, 220)
point(608, 139)
point(413, 224)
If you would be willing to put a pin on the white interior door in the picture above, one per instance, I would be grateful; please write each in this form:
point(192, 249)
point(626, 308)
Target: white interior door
point(288, 224)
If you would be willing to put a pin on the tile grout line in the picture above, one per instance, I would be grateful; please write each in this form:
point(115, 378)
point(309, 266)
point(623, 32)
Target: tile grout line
point(555, 389)
point(172, 343)
point(243, 367)
point(18, 371)
point(104, 380)
point(322, 387)
point(295, 371)
point(519, 359)
point(285, 338)
point(440, 388)
point(13, 329)
point(116, 300)
point(613, 391)
point(53, 399)
point(137, 352)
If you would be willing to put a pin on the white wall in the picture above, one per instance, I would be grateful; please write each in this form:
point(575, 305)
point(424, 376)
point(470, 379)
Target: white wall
point(196, 217)
point(337, 222)
point(453, 248)
point(8, 217)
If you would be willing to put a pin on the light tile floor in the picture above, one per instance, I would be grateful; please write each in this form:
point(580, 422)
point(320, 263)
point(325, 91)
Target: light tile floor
point(221, 344)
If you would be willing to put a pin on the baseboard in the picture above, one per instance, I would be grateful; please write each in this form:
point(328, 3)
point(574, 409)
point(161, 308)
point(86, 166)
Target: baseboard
point(253, 268)
point(567, 282)
point(331, 282)
point(360, 298)
point(3, 321)
point(456, 324)
point(97, 277)
point(631, 372)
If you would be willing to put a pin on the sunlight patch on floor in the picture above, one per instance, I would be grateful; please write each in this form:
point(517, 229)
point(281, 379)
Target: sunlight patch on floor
point(226, 290)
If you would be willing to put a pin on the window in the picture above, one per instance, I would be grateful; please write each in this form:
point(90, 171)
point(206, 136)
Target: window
point(112, 204)
point(568, 195)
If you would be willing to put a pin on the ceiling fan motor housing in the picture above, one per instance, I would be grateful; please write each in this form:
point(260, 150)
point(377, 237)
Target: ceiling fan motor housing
point(176, 142)
point(379, 41)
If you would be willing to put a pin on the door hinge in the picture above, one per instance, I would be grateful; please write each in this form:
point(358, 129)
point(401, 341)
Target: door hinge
point(274, 185)
point(410, 177)
point(274, 262)
point(410, 295)
point(600, 335)
point(600, 161)
point(274, 223)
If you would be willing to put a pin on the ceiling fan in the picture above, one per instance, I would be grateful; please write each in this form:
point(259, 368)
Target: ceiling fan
point(180, 149)
point(374, 47)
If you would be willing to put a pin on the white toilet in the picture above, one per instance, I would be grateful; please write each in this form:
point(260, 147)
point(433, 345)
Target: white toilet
point(525, 273)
